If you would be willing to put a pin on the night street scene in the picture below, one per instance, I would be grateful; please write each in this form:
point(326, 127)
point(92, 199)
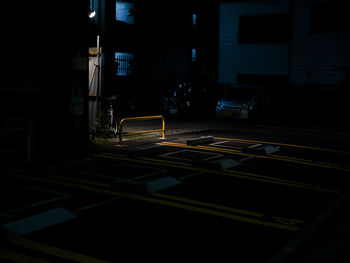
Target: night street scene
point(175, 130)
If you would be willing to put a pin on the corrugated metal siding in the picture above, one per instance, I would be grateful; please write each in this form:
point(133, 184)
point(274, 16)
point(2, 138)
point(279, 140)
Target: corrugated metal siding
point(235, 58)
point(316, 57)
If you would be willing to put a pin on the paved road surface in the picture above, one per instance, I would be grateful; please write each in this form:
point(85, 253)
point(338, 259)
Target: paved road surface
point(240, 196)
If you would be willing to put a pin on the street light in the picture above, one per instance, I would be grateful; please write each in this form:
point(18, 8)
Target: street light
point(92, 13)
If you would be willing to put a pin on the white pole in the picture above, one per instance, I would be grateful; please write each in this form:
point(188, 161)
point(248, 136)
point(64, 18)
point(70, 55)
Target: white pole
point(98, 91)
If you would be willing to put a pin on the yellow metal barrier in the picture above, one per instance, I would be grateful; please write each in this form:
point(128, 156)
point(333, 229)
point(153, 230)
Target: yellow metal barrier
point(141, 118)
point(28, 148)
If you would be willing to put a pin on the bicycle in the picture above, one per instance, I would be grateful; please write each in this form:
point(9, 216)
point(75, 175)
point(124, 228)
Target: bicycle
point(107, 125)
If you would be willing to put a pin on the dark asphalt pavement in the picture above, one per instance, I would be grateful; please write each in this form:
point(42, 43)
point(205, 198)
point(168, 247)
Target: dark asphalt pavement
point(259, 193)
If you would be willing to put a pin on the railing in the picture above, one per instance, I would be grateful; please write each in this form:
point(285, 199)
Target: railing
point(28, 146)
point(124, 65)
point(141, 132)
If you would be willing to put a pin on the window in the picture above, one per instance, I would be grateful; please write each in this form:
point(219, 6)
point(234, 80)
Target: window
point(264, 29)
point(330, 17)
point(194, 20)
point(125, 12)
point(124, 64)
point(194, 55)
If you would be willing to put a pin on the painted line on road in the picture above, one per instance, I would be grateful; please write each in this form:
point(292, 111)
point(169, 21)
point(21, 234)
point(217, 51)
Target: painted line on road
point(66, 184)
point(71, 179)
point(84, 208)
point(220, 144)
point(174, 164)
point(225, 172)
point(168, 155)
point(284, 144)
point(46, 201)
point(236, 174)
point(78, 180)
point(164, 202)
point(165, 161)
point(5, 215)
point(186, 177)
point(219, 214)
point(246, 159)
point(54, 251)
point(270, 157)
point(283, 220)
point(206, 204)
point(18, 257)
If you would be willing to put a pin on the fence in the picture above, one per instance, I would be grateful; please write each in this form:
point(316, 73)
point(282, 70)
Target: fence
point(142, 132)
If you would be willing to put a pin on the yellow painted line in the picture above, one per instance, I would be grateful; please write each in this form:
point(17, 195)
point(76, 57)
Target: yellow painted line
point(19, 258)
point(151, 159)
point(225, 171)
point(237, 152)
point(117, 154)
point(166, 161)
point(174, 164)
point(287, 183)
point(287, 221)
point(72, 179)
point(219, 214)
point(58, 252)
point(166, 203)
point(284, 144)
point(291, 158)
point(211, 205)
point(67, 184)
point(271, 157)
point(78, 180)
point(236, 174)
point(267, 177)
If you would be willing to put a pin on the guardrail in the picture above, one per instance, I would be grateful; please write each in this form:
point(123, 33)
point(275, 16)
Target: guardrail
point(142, 132)
point(28, 146)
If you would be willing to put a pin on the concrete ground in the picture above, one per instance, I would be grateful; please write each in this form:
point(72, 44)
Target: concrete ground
point(329, 237)
point(325, 239)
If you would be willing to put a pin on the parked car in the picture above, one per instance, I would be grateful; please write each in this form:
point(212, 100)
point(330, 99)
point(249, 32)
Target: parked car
point(240, 102)
point(178, 99)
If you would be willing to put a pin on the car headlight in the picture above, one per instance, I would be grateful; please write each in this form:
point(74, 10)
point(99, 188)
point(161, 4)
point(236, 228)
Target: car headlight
point(219, 105)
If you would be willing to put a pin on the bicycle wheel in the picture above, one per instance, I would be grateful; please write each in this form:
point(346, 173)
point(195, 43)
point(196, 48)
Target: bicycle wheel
point(106, 126)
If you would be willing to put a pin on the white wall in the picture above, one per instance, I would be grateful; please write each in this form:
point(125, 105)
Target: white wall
point(315, 57)
point(235, 58)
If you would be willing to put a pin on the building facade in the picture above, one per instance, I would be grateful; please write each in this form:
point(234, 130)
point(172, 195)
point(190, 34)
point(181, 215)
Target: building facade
point(150, 47)
point(298, 49)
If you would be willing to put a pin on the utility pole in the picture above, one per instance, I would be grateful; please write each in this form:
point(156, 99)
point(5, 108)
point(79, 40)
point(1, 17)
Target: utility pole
point(98, 88)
